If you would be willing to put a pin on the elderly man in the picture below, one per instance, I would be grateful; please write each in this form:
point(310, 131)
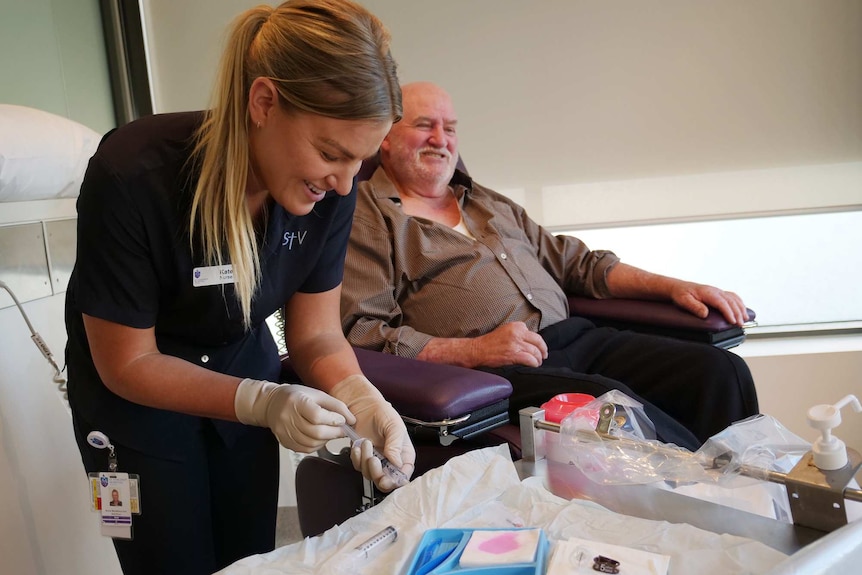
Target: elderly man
point(442, 269)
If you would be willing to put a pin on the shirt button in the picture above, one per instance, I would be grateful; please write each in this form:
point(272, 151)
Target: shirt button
point(205, 358)
point(503, 256)
point(530, 296)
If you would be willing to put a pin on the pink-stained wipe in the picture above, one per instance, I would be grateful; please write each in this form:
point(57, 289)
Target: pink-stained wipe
point(503, 543)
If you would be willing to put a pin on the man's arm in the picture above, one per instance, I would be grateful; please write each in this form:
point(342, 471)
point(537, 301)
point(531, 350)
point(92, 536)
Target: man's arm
point(576, 268)
point(600, 274)
point(627, 281)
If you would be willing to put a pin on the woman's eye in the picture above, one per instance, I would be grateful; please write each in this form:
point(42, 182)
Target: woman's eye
point(328, 157)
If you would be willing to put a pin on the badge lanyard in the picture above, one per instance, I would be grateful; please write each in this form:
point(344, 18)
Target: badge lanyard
point(115, 495)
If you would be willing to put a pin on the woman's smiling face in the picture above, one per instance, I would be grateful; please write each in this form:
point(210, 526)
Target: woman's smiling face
point(298, 156)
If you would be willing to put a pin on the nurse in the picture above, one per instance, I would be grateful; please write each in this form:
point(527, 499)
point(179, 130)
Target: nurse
point(193, 228)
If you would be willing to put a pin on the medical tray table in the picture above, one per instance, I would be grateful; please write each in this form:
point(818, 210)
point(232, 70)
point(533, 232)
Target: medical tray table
point(810, 550)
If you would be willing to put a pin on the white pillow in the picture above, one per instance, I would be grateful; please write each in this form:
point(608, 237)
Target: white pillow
point(42, 155)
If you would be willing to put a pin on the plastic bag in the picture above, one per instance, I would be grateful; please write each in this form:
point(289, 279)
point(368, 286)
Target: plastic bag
point(626, 452)
point(754, 445)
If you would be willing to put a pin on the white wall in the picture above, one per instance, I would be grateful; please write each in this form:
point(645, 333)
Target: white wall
point(184, 41)
point(46, 526)
point(563, 92)
point(560, 93)
point(795, 374)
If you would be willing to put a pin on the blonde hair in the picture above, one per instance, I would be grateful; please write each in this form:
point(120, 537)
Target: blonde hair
point(326, 57)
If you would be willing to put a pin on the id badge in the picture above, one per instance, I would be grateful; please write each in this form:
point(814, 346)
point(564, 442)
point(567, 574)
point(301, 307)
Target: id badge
point(212, 275)
point(116, 496)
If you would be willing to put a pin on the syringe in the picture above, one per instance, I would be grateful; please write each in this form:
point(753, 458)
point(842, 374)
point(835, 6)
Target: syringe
point(389, 469)
point(371, 547)
point(348, 561)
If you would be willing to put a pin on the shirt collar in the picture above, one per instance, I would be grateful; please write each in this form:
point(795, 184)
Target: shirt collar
point(460, 178)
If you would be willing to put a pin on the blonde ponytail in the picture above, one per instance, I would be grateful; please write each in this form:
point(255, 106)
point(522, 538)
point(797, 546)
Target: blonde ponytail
point(326, 57)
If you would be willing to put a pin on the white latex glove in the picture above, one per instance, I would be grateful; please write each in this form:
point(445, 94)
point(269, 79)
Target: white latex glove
point(302, 418)
point(377, 421)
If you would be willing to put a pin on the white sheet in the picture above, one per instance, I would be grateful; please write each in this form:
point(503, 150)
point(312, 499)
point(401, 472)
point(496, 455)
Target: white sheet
point(482, 489)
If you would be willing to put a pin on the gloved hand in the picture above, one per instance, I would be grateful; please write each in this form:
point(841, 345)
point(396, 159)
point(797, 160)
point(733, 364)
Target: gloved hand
point(302, 418)
point(377, 421)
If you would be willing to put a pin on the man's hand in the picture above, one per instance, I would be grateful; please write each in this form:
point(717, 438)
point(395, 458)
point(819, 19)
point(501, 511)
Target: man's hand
point(696, 297)
point(630, 282)
point(510, 344)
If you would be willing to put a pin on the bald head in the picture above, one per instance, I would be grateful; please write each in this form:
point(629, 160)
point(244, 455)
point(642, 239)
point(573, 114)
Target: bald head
point(422, 149)
point(424, 90)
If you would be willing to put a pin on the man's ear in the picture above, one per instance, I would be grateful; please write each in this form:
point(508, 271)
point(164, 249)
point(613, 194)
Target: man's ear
point(384, 145)
point(262, 99)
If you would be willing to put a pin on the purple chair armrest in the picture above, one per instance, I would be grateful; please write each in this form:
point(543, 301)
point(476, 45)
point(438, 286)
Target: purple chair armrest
point(428, 391)
point(645, 312)
point(431, 391)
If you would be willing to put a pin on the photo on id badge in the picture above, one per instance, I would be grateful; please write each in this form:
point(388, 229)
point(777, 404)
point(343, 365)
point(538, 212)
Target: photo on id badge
point(115, 495)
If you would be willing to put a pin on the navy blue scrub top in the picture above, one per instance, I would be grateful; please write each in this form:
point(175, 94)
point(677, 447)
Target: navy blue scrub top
point(134, 267)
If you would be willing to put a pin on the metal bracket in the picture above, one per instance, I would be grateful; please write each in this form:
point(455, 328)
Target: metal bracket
point(606, 423)
point(531, 450)
point(443, 423)
point(817, 496)
point(369, 495)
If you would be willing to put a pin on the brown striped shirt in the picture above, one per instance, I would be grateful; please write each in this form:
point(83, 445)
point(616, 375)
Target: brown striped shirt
point(408, 279)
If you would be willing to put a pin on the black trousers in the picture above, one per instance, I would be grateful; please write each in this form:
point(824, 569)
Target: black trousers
point(198, 515)
point(690, 391)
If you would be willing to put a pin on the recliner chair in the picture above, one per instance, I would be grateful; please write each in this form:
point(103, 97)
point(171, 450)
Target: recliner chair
point(469, 408)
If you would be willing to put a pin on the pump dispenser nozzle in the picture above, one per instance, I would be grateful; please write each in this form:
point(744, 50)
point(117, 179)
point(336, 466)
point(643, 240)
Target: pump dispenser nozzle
point(830, 452)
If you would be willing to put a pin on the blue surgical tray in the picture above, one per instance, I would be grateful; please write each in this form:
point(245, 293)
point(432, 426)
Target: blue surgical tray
point(440, 550)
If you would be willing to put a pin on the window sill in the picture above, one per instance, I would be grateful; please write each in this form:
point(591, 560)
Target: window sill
point(761, 342)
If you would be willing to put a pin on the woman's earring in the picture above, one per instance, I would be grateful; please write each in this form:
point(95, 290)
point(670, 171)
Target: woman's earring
point(258, 124)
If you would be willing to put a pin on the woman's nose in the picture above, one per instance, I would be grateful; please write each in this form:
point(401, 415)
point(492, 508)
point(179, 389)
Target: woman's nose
point(342, 180)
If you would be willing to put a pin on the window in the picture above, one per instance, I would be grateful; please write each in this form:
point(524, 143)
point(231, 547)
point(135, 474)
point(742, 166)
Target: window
point(798, 272)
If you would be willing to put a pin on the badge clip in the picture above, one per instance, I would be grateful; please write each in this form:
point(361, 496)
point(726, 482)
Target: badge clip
point(114, 495)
